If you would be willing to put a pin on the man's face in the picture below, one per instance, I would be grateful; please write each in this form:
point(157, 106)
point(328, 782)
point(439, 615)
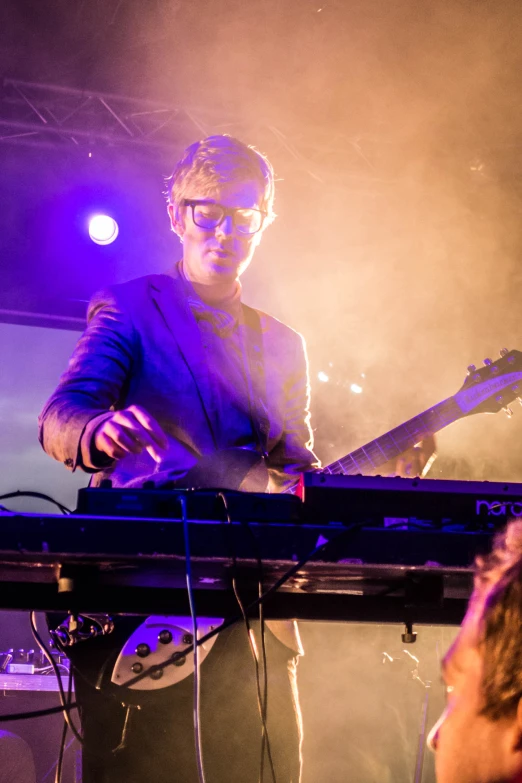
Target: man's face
point(471, 748)
point(221, 254)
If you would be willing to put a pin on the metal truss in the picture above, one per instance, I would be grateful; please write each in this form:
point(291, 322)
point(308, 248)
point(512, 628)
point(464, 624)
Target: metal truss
point(31, 112)
point(54, 116)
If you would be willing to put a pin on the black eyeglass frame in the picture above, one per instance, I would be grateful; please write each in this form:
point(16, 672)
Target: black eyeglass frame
point(227, 212)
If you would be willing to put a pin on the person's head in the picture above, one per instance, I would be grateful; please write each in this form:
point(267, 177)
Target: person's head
point(220, 171)
point(478, 738)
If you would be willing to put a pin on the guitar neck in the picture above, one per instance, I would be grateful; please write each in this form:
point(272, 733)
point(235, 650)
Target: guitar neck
point(378, 452)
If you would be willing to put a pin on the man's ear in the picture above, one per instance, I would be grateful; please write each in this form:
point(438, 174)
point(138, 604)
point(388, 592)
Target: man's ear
point(176, 222)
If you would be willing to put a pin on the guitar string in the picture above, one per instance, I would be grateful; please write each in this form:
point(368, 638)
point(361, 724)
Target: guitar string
point(444, 413)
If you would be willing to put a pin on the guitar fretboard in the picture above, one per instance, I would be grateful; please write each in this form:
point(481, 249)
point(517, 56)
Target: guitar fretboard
point(378, 452)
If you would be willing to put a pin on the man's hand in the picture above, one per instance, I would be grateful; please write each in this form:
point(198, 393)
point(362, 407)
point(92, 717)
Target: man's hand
point(417, 460)
point(130, 431)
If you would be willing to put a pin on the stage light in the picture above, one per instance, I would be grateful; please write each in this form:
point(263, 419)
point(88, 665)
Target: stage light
point(323, 377)
point(103, 229)
point(355, 388)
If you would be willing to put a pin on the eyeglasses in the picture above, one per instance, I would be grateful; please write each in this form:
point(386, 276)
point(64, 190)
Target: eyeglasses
point(208, 215)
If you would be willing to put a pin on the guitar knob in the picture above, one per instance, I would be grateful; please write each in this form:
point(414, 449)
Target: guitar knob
point(504, 352)
point(471, 368)
point(488, 362)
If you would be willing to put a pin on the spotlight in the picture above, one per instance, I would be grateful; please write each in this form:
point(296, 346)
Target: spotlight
point(323, 377)
point(103, 229)
point(355, 388)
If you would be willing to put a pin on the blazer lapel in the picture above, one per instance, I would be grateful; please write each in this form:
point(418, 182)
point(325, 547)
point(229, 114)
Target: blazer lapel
point(169, 295)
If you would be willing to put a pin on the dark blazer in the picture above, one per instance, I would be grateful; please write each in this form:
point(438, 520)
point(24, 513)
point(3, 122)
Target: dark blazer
point(143, 346)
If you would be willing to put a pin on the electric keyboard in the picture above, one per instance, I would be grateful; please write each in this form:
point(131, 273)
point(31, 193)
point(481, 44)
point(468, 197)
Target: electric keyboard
point(388, 548)
point(131, 565)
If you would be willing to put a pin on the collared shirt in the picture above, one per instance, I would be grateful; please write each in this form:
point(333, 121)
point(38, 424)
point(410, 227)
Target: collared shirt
point(224, 336)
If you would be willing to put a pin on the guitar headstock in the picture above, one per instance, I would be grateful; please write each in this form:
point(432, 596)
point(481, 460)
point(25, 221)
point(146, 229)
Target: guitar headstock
point(493, 387)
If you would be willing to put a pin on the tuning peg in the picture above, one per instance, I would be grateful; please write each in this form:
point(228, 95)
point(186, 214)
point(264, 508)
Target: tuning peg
point(508, 412)
point(471, 368)
point(488, 362)
point(504, 352)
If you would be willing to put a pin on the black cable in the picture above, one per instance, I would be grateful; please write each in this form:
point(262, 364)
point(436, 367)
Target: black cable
point(53, 767)
point(197, 688)
point(301, 563)
point(253, 605)
point(262, 698)
point(292, 571)
point(88, 748)
point(264, 739)
point(226, 624)
point(59, 763)
point(49, 656)
point(65, 707)
point(61, 753)
point(261, 615)
point(40, 495)
point(261, 600)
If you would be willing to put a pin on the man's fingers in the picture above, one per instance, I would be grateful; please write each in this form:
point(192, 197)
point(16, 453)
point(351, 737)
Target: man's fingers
point(417, 460)
point(153, 452)
point(133, 426)
point(150, 424)
point(109, 447)
point(122, 437)
point(131, 430)
point(134, 438)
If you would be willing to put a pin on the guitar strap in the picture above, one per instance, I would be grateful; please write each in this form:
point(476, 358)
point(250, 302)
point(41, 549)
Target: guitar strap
point(253, 361)
point(285, 631)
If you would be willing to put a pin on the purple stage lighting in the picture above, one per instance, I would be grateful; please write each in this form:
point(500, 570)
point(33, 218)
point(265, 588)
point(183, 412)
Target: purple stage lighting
point(103, 229)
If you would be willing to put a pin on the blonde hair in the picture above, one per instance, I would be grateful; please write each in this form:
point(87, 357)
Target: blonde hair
point(216, 160)
point(498, 582)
